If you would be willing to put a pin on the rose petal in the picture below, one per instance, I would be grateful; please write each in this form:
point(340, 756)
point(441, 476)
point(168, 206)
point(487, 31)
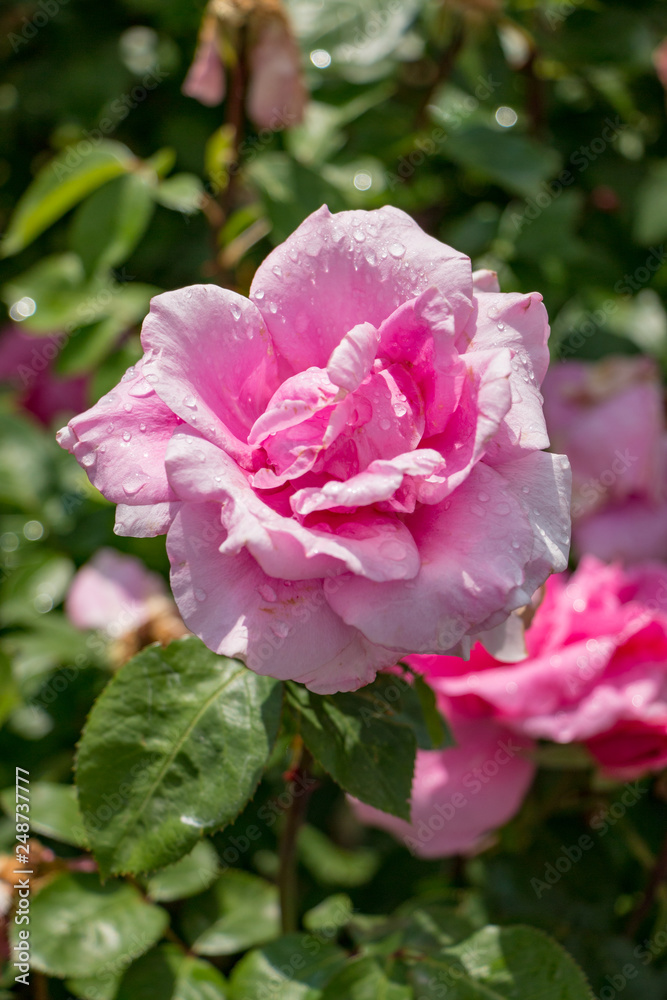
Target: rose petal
point(122, 440)
point(237, 610)
point(380, 259)
point(200, 339)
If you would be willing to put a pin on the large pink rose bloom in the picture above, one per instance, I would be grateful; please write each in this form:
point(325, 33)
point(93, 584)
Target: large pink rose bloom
point(596, 670)
point(608, 417)
point(348, 464)
point(461, 794)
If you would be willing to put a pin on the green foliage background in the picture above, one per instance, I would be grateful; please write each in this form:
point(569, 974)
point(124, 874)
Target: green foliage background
point(570, 200)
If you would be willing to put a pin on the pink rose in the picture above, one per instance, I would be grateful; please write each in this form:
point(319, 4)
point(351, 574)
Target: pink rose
point(348, 464)
point(27, 364)
point(608, 418)
point(461, 794)
point(596, 669)
point(113, 592)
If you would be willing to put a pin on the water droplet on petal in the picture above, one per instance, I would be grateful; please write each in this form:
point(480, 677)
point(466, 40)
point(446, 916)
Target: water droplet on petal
point(280, 629)
point(267, 592)
point(359, 235)
point(88, 459)
point(277, 271)
point(134, 481)
point(142, 428)
point(273, 308)
point(142, 387)
point(502, 508)
point(400, 410)
point(396, 250)
point(393, 550)
point(128, 407)
point(492, 312)
point(293, 254)
point(127, 436)
point(190, 402)
point(385, 424)
point(200, 595)
point(235, 310)
point(109, 428)
point(483, 496)
point(500, 325)
point(151, 377)
point(259, 294)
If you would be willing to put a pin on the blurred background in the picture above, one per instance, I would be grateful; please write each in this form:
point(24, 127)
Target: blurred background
point(531, 135)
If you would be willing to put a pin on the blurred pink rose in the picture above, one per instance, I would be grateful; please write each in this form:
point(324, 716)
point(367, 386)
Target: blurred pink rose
point(660, 62)
point(462, 794)
point(276, 95)
point(113, 592)
point(608, 418)
point(596, 670)
point(348, 464)
point(26, 363)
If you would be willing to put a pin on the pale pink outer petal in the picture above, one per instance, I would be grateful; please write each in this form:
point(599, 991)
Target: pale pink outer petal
point(279, 628)
point(463, 793)
point(205, 80)
point(276, 94)
point(357, 267)
point(376, 545)
point(470, 571)
point(520, 323)
point(210, 358)
point(122, 440)
point(485, 281)
point(112, 592)
point(145, 522)
point(351, 360)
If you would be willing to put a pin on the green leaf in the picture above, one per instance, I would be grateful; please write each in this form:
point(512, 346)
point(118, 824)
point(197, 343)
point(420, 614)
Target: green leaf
point(364, 740)
point(175, 746)
point(500, 963)
point(334, 865)
point(57, 285)
point(59, 186)
point(192, 874)
point(239, 911)
point(513, 161)
point(9, 699)
point(167, 973)
point(103, 986)
point(182, 192)
point(107, 227)
point(364, 979)
point(650, 223)
point(80, 928)
point(292, 968)
point(290, 192)
point(437, 733)
point(329, 915)
point(54, 811)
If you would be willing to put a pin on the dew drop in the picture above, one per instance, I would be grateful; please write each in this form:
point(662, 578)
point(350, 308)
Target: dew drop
point(102, 448)
point(127, 436)
point(273, 308)
point(359, 235)
point(200, 595)
point(267, 592)
point(142, 387)
point(259, 294)
point(371, 259)
point(502, 508)
point(393, 550)
point(152, 378)
point(109, 428)
point(293, 254)
point(190, 402)
point(525, 489)
point(500, 325)
point(277, 271)
point(128, 407)
point(396, 250)
point(385, 424)
point(88, 459)
point(142, 428)
point(516, 545)
point(483, 496)
point(400, 410)
point(492, 312)
point(235, 310)
point(133, 483)
point(280, 629)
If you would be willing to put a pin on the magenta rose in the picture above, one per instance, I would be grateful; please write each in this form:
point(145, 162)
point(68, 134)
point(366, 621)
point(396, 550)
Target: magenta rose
point(462, 794)
point(608, 417)
point(596, 670)
point(349, 464)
